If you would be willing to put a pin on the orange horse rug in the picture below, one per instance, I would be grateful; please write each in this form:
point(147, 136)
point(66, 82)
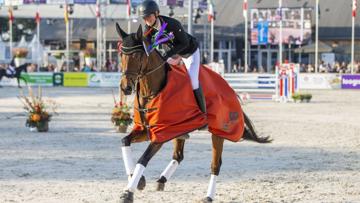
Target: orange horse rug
point(174, 111)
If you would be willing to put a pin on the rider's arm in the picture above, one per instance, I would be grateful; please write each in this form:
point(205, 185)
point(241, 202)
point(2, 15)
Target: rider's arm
point(181, 40)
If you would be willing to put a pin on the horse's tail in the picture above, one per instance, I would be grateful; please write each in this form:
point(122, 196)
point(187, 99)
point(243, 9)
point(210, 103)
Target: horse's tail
point(250, 134)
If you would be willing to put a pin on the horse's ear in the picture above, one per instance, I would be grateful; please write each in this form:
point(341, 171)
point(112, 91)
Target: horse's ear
point(139, 33)
point(121, 32)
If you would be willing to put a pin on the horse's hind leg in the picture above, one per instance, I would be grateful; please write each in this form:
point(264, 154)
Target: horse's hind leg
point(127, 196)
point(129, 164)
point(217, 149)
point(178, 156)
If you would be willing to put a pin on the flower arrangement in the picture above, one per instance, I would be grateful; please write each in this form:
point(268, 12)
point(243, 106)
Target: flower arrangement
point(89, 53)
point(120, 116)
point(36, 107)
point(20, 52)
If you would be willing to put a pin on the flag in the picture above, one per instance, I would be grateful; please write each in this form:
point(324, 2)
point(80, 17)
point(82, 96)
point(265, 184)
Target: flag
point(128, 7)
point(211, 13)
point(354, 7)
point(37, 18)
point(11, 16)
point(97, 11)
point(66, 14)
point(245, 8)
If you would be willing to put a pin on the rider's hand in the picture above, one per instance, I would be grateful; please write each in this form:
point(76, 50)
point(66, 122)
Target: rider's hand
point(173, 61)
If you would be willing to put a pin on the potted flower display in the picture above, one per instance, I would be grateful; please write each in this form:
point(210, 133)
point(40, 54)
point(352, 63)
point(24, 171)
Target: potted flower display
point(120, 116)
point(38, 116)
point(20, 56)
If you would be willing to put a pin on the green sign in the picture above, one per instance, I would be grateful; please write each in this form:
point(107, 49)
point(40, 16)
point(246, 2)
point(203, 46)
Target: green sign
point(43, 79)
point(75, 79)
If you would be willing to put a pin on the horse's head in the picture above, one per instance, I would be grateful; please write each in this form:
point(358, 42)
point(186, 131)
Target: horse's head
point(133, 59)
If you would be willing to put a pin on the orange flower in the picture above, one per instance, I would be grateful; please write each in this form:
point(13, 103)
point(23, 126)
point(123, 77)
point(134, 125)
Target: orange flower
point(35, 117)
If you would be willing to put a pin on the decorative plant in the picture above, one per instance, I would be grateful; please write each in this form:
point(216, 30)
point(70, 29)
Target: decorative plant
point(120, 115)
point(296, 97)
point(37, 109)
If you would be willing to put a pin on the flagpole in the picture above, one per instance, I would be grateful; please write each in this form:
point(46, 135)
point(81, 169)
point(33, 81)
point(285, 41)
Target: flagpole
point(245, 10)
point(11, 30)
point(129, 15)
point(317, 37)
point(38, 37)
point(353, 35)
point(98, 38)
point(67, 38)
point(211, 18)
point(281, 33)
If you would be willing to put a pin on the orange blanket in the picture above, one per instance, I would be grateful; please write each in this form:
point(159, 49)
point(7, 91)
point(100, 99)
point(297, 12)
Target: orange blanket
point(176, 111)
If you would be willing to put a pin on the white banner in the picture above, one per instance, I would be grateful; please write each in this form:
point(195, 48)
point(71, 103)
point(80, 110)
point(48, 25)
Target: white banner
point(13, 2)
point(319, 81)
point(59, 1)
point(104, 79)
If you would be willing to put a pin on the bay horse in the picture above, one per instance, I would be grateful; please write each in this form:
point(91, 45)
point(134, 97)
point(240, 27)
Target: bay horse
point(147, 74)
point(17, 74)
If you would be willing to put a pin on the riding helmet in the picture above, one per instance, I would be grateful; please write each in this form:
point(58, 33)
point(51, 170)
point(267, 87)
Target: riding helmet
point(147, 8)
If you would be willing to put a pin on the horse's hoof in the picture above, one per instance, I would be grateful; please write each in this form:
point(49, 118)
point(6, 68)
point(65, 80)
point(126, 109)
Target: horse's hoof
point(127, 197)
point(160, 186)
point(142, 183)
point(206, 200)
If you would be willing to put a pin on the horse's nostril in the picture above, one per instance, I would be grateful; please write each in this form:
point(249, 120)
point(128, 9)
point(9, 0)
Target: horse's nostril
point(128, 88)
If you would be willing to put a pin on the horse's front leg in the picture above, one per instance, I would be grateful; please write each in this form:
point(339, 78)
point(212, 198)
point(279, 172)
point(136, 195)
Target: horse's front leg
point(178, 156)
point(217, 149)
point(133, 137)
point(128, 194)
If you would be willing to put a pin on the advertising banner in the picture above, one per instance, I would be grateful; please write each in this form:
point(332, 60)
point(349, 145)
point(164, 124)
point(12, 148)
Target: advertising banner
point(75, 79)
point(319, 81)
point(104, 79)
point(13, 2)
point(34, 2)
point(118, 1)
point(85, 1)
point(42, 79)
point(350, 81)
point(296, 25)
point(58, 79)
point(263, 32)
point(59, 1)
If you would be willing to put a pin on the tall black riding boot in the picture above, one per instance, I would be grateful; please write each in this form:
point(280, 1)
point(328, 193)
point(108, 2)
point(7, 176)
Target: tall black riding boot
point(200, 99)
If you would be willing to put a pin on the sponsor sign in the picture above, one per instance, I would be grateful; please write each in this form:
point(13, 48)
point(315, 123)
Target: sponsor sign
point(104, 79)
point(59, 1)
point(13, 2)
point(85, 1)
point(75, 79)
point(350, 81)
point(58, 79)
point(34, 2)
point(42, 79)
point(319, 81)
point(263, 32)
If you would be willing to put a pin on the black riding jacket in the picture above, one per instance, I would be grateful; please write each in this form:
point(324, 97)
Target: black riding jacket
point(183, 43)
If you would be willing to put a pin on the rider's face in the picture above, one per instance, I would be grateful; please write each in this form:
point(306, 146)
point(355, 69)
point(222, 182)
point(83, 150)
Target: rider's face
point(150, 20)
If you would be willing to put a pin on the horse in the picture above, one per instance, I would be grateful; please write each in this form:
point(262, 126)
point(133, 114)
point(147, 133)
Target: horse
point(17, 74)
point(147, 74)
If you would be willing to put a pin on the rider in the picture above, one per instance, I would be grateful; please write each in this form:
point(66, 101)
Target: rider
point(183, 44)
point(10, 70)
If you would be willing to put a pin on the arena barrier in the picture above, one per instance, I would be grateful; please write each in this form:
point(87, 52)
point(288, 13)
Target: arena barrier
point(287, 82)
point(253, 86)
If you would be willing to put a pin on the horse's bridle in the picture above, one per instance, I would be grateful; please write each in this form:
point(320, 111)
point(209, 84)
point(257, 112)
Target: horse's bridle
point(138, 74)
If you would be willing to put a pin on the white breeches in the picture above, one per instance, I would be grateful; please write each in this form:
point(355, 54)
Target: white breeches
point(192, 64)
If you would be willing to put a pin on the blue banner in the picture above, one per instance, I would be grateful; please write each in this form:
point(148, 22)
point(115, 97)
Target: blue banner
point(263, 30)
point(85, 1)
point(34, 1)
point(118, 1)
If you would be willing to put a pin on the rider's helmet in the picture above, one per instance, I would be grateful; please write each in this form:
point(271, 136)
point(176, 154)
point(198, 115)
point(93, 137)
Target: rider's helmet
point(147, 8)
